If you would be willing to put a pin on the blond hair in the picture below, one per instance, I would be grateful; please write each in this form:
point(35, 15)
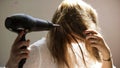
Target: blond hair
point(74, 17)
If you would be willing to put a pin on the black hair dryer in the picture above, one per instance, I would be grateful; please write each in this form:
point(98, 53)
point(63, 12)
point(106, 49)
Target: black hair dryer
point(27, 23)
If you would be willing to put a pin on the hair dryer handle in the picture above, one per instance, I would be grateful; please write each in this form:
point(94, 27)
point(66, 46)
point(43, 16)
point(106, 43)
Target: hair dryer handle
point(22, 62)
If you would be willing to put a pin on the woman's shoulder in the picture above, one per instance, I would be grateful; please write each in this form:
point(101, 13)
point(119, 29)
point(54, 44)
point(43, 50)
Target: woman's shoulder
point(38, 44)
point(36, 49)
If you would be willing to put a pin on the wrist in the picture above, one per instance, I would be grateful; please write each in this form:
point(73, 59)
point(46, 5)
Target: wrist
point(107, 59)
point(106, 56)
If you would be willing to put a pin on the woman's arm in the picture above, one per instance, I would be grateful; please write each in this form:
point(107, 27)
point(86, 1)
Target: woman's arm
point(94, 39)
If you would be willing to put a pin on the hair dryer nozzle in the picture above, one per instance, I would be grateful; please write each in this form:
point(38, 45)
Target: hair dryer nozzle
point(19, 22)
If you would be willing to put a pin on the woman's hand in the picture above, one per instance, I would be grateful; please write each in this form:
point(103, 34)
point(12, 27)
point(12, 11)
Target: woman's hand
point(17, 52)
point(94, 39)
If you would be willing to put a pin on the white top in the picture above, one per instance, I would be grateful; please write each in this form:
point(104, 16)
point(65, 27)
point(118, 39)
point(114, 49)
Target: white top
point(40, 57)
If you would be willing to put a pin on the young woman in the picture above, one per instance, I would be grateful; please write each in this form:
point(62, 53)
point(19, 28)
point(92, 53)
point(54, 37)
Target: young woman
point(75, 44)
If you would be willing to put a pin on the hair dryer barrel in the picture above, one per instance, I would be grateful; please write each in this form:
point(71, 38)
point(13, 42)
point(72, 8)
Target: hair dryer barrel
point(19, 22)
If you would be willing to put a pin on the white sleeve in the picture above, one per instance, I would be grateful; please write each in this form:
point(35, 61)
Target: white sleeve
point(34, 58)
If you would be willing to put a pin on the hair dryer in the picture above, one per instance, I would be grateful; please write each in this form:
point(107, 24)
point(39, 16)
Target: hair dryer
point(19, 22)
point(27, 23)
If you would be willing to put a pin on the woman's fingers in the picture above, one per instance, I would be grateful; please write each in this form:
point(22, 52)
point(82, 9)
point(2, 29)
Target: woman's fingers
point(90, 32)
point(19, 37)
point(22, 43)
point(22, 51)
point(19, 54)
point(19, 48)
point(94, 38)
point(22, 54)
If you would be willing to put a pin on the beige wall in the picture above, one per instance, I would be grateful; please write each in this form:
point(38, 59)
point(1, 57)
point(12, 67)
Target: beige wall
point(109, 18)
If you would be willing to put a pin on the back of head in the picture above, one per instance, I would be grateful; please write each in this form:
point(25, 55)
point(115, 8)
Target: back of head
point(74, 17)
